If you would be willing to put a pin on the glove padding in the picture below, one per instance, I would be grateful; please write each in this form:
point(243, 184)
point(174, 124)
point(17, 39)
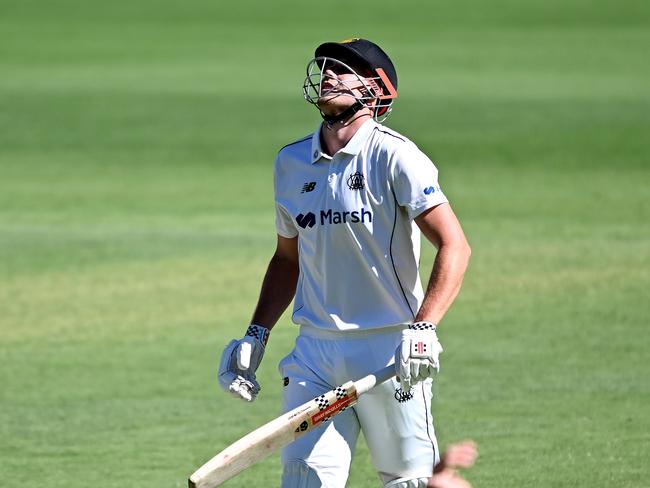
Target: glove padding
point(239, 362)
point(417, 357)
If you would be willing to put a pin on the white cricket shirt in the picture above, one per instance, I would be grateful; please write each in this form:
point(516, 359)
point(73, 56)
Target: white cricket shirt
point(359, 248)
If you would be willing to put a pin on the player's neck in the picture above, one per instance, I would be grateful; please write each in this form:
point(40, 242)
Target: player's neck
point(334, 137)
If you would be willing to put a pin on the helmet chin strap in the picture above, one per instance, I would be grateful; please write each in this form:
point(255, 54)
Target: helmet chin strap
point(346, 114)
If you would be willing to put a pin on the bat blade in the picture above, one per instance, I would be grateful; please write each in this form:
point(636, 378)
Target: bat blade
point(245, 452)
point(279, 432)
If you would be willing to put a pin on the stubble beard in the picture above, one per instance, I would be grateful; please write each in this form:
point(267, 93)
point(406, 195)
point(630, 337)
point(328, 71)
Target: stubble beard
point(336, 103)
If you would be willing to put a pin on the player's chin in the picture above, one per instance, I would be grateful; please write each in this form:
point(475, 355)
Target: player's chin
point(334, 104)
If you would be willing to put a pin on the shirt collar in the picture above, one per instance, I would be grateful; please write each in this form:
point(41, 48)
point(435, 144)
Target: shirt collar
point(353, 146)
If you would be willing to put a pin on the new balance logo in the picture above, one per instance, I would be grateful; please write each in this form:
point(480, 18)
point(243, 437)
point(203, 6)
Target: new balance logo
point(305, 221)
point(309, 186)
point(429, 190)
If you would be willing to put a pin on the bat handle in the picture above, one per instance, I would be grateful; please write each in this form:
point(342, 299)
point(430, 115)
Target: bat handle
point(368, 382)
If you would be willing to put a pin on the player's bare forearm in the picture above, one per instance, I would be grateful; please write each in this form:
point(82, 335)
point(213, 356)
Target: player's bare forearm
point(444, 283)
point(279, 285)
point(441, 227)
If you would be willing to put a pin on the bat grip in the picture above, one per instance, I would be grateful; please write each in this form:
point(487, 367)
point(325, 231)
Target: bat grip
point(368, 382)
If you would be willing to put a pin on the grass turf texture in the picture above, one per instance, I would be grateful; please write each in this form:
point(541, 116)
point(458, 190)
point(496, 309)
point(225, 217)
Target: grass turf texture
point(136, 142)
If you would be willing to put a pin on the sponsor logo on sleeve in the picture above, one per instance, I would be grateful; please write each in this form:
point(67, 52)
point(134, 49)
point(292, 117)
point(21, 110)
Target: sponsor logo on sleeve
point(429, 190)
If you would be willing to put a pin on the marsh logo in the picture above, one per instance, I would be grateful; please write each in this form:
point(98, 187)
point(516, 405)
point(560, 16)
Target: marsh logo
point(308, 220)
point(331, 217)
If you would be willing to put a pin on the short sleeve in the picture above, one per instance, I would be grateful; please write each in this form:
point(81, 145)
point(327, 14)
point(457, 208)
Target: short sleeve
point(284, 224)
point(415, 181)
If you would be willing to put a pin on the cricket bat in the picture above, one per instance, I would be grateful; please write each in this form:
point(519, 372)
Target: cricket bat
point(279, 432)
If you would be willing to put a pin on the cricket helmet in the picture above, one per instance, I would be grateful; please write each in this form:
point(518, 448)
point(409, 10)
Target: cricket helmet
point(363, 58)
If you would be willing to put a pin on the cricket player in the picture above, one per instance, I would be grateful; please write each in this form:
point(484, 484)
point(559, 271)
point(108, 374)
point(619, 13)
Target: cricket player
point(351, 201)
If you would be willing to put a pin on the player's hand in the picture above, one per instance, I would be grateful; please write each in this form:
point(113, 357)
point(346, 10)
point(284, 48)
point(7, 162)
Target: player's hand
point(239, 362)
point(418, 355)
point(458, 455)
point(448, 478)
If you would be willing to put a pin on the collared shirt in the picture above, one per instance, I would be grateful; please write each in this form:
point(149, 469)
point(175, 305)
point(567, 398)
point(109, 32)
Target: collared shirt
point(359, 248)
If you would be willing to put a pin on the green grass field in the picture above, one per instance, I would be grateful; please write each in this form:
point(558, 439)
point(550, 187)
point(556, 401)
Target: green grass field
point(136, 221)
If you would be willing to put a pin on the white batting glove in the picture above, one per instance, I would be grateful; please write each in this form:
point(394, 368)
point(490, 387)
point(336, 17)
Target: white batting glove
point(418, 356)
point(239, 362)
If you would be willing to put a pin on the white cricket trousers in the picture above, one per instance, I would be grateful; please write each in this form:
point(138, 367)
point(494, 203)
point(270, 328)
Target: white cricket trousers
point(397, 426)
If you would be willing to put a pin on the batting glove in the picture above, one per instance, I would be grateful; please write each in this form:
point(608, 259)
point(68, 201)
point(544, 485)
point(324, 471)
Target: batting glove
point(418, 356)
point(239, 362)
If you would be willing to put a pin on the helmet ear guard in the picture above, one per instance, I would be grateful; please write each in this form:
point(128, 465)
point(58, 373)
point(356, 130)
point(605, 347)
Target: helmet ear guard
point(392, 91)
point(388, 93)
